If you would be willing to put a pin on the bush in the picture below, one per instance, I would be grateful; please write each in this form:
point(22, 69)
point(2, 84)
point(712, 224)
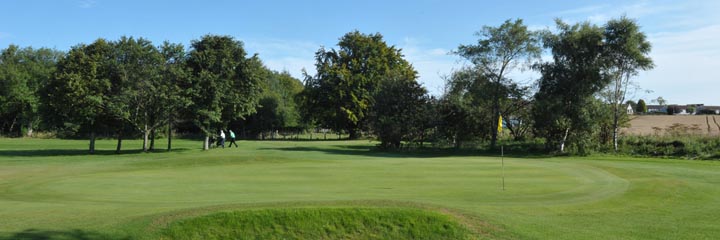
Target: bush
point(691, 147)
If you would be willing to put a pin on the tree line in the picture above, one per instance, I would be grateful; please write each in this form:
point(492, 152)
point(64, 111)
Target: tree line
point(130, 88)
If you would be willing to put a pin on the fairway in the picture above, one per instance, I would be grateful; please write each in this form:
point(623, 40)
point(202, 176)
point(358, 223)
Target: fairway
point(52, 188)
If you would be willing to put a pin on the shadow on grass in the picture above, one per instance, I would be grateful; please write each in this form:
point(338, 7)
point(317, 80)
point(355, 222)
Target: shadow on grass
point(76, 234)
point(75, 152)
point(373, 151)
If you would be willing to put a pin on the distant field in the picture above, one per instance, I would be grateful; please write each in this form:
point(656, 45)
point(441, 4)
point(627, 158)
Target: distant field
point(643, 125)
point(51, 189)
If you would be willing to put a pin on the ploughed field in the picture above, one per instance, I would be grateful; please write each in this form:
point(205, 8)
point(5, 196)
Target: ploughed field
point(51, 189)
point(700, 125)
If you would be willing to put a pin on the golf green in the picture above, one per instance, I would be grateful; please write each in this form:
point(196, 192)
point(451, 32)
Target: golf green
point(51, 187)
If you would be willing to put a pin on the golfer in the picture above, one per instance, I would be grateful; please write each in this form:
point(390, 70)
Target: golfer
point(232, 139)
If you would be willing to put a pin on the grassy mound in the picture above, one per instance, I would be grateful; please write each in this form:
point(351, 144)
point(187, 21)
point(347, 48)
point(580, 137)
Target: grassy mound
point(319, 223)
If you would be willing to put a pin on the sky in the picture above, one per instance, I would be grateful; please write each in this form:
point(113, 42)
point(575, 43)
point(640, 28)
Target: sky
point(286, 34)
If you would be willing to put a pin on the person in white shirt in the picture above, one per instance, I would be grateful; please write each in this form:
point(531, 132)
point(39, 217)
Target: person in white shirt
point(222, 138)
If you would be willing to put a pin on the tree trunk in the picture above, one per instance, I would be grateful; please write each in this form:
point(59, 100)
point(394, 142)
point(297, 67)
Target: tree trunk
point(562, 144)
point(92, 142)
point(119, 143)
point(616, 119)
point(152, 139)
point(169, 147)
point(145, 138)
point(457, 140)
point(354, 134)
point(29, 129)
point(12, 126)
point(206, 143)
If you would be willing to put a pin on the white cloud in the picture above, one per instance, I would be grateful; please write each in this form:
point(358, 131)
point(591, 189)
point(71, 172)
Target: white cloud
point(685, 48)
point(285, 55)
point(87, 3)
point(581, 10)
point(686, 66)
point(700, 41)
point(599, 14)
point(430, 63)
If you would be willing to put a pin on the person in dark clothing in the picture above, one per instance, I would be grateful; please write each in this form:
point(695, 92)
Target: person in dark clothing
point(232, 139)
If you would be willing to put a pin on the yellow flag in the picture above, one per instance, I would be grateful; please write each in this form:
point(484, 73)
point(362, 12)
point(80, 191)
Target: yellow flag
point(500, 124)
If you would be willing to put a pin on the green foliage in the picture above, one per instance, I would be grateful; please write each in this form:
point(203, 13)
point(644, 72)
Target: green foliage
point(340, 95)
point(225, 84)
point(23, 72)
point(79, 94)
point(465, 111)
point(626, 53)
point(319, 223)
point(498, 51)
point(641, 107)
point(676, 144)
point(400, 111)
point(278, 108)
point(568, 85)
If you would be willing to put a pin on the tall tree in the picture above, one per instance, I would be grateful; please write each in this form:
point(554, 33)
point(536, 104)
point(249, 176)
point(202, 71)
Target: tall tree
point(278, 105)
point(340, 95)
point(399, 111)
point(78, 94)
point(626, 52)
point(23, 72)
point(225, 82)
point(464, 105)
point(641, 107)
point(175, 86)
point(136, 78)
point(498, 51)
point(568, 85)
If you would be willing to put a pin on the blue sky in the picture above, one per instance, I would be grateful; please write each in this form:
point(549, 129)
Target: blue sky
point(286, 34)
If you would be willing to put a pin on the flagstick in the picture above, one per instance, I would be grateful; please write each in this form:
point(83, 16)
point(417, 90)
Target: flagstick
point(502, 161)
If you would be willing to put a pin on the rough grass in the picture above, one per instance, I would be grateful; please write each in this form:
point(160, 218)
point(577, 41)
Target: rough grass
point(51, 189)
point(319, 223)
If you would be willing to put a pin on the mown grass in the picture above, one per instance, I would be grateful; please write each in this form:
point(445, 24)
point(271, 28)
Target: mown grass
point(51, 189)
point(319, 223)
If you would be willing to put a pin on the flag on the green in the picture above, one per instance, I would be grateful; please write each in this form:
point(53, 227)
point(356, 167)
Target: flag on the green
point(500, 124)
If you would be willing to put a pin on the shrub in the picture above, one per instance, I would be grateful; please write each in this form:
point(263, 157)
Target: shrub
point(691, 147)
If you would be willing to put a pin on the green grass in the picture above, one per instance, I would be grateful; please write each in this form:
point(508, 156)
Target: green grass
point(314, 223)
point(50, 189)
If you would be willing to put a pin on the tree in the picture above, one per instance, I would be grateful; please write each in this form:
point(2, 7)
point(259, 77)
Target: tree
point(399, 110)
point(660, 101)
point(278, 108)
point(340, 95)
point(641, 107)
point(23, 72)
point(626, 53)
point(464, 106)
point(78, 95)
point(136, 79)
point(498, 51)
point(568, 85)
point(175, 87)
point(225, 83)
